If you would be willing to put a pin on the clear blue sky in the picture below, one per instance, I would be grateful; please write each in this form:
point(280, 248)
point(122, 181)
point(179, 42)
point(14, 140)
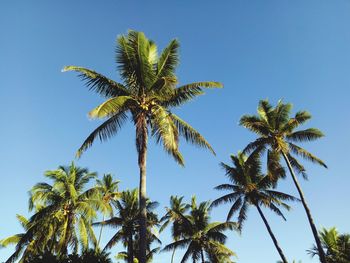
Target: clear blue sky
point(296, 50)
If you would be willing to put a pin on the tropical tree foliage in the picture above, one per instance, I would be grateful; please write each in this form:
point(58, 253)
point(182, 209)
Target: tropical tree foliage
point(336, 246)
point(277, 132)
point(147, 93)
point(250, 187)
point(201, 239)
point(127, 221)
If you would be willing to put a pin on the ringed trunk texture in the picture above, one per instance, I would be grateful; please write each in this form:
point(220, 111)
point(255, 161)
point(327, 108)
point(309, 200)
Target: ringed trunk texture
point(141, 143)
point(284, 260)
point(321, 253)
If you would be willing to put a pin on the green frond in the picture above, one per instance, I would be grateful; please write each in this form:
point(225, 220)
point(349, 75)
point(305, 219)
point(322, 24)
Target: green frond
point(99, 83)
point(305, 154)
point(254, 124)
point(310, 134)
point(111, 107)
point(105, 131)
point(190, 134)
point(168, 60)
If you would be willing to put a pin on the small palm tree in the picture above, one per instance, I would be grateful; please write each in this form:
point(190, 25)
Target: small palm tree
point(173, 215)
point(200, 237)
point(277, 132)
point(147, 94)
point(108, 189)
point(68, 206)
point(127, 221)
point(248, 186)
point(336, 246)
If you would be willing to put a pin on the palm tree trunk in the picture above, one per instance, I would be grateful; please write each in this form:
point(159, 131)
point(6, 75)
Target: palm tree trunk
point(172, 255)
point(202, 255)
point(130, 249)
point(99, 236)
point(284, 260)
point(307, 210)
point(141, 142)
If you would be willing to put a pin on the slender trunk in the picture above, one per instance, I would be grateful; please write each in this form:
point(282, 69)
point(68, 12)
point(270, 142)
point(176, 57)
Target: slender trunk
point(172, 255)
point(141, 141)
point(202, 255)
point(130, 249)
point(99, 236)
point(284, 260)
point(321, 253)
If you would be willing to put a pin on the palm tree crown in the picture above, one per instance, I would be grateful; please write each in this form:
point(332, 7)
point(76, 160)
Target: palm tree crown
point(201, 238)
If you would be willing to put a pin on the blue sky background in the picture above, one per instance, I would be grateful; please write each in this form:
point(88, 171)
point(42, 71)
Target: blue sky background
point(295, 50)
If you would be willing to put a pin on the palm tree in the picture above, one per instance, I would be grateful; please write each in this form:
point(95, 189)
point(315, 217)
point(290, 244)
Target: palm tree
point(201, 237)
point(337, 246)
point(147, 94)
point(177, 207)
point(248, 186)
point(108, 189)
point(68, 207)
point(277, 131)
point(127, 220)
point(26, 243)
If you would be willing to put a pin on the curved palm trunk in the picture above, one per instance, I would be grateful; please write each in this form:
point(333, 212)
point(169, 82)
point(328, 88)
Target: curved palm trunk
point(141, 142)
point(100, 235)
point(307, 210)
point(284, 260)
point(202, 255)
point(172, 255)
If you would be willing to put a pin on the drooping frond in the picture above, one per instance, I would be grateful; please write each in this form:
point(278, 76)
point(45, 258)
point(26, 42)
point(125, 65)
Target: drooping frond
point(105, 131)
point(310, 134)
point(111, 107)
point(99, 83)
point(305, 154)
point(190, 134)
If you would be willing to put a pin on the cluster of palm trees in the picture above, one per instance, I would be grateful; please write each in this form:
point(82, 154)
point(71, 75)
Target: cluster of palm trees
point(65, 212)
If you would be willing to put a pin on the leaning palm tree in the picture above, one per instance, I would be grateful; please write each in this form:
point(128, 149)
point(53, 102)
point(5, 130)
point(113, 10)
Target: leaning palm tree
point(336, 246)
point(277, 132)
point(108, 189)
point(147, 94)
point(201, 238)
point(248, 186)
point(177, 207)
point(68, 205)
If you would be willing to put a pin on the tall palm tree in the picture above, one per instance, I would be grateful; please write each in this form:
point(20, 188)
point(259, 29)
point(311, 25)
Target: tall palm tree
point(108, 189)
point(201, 238)
point(69, 205)
point(277, 132)
point(336, 246)
point(248, 186)
point(147, 94)
point(127, 221)
point(173, 215)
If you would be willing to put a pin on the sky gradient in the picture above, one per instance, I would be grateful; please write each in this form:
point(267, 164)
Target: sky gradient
point(298, 51)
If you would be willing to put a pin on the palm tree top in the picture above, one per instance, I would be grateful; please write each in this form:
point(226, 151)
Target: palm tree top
point(277, 131)
point(249, 186)
point(148, 90)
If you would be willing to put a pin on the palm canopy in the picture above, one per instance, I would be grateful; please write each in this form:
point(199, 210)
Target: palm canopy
point(277, 131)
point(126, 221)
point(148, 91)
point(336, 246)
point(249, 186)
point(69, 205)
point(108, 188)
point(199, 236)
